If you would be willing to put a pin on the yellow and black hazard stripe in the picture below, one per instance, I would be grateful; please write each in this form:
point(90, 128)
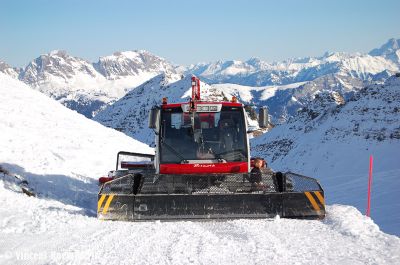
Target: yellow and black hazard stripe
point(108, 199)
point(316, 199)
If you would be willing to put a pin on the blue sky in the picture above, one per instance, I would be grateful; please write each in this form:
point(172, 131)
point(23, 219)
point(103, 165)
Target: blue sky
point(187, 32)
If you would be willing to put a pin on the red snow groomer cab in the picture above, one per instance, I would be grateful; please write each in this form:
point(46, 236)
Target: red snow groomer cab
point(202, 170)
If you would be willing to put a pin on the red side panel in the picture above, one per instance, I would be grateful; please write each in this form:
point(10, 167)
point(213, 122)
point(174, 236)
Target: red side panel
point(172, 105)
point(231, 167)
point(104, 179)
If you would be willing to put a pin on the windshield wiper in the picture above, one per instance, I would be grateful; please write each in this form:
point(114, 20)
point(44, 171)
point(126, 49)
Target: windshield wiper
point(235, 151)
point(174, 151)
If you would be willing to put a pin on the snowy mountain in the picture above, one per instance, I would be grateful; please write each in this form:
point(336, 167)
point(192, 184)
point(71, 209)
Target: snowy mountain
point(390, 50)
point(284, 101)
point(8, 70)
point(331, 139)
point(58, 151)
point(58, 225)
point(70, 80)
point(131, 63)
point(256, 72)
point(341, 72)
point(57, 67)
point(90, 87)
point(86, 87)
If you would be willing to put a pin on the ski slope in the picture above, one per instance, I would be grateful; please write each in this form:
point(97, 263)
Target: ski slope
point(58, 151)
point(61, 154)
point(49, 232)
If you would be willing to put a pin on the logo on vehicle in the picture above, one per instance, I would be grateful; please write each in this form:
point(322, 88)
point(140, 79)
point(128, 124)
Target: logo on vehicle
point(202, 165)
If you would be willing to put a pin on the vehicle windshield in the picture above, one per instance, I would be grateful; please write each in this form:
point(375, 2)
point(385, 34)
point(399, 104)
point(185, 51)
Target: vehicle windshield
point(217, 136)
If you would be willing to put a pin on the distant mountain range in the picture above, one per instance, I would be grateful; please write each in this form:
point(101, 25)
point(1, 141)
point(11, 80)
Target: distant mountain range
point(283, 86)
point(255, 72)
point(88, 87)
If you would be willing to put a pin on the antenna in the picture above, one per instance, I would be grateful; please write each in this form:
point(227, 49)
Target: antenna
point(195, 89)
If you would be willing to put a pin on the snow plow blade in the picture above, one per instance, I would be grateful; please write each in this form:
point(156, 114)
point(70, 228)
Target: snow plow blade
point(147, 196)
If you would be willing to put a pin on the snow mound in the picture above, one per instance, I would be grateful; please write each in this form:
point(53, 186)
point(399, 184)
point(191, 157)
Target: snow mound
point(58, 151)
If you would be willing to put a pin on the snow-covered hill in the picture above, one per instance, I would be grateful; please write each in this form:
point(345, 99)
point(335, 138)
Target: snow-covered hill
point(58, 151)
point(88, 87)
point(332, 141)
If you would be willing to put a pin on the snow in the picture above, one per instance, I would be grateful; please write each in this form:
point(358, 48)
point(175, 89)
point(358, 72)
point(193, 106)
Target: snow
point(49, 232)
point(56, 149)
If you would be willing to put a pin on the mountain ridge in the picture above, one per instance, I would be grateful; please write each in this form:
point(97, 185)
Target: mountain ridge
point(89, 87)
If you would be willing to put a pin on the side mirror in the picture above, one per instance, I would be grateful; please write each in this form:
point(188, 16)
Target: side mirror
point(263, 119)
point(154, 119)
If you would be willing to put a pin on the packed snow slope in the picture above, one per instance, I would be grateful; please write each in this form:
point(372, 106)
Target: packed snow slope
point(58, 151)
point(332, 140)
point(38, 231)
point(61, 153)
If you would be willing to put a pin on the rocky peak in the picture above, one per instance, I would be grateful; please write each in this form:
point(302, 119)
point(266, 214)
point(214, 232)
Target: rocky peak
point(389, 47)
point(323, 103)
point(390, 50)
point(58, 64)
point(131, 63)
point(8, 70)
